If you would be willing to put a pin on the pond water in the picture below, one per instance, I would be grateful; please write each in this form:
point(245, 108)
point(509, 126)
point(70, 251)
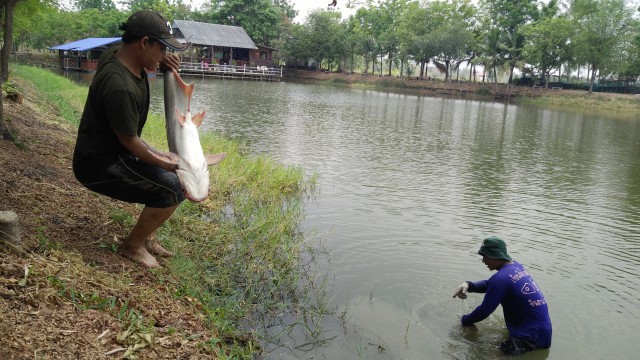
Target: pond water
point(408, 188)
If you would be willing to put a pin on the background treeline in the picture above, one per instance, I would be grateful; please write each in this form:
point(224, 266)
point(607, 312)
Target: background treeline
point(521, 41)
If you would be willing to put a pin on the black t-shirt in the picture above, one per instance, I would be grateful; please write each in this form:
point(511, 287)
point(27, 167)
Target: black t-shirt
point(118, 102)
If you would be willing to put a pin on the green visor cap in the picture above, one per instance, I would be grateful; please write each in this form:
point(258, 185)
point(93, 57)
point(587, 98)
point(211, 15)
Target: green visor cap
point(495, 248)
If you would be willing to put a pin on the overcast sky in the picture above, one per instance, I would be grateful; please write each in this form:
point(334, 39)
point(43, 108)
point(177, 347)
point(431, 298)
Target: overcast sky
point(306, 6)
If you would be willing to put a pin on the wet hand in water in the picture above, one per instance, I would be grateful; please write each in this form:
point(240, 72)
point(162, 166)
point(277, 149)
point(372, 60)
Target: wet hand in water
point(462, 290)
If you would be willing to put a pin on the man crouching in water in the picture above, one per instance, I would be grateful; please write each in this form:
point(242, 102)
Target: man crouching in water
point(525, 310)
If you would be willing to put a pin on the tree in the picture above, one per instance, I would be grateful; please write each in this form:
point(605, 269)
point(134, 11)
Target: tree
point(508, 16)
point(414, 26)
point(261, 19)
point(5, 53)
point(451, 32)
point(451, 42)
point(95, 4)
point(490, 53)
point(390, 14)
point(512, 44)
point(601, 26)
point(366, 20)
point(323, 37)
point(547, 41)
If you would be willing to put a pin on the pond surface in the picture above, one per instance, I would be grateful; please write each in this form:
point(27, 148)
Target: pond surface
point(408, 188)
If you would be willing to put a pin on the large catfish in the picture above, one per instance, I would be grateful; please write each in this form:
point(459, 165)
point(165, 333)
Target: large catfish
point(182, 136)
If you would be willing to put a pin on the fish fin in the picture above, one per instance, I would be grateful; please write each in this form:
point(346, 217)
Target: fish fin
point(179, 80)
point(197, 119)
point(214, 159)
point(181, 118)
point(188, 91)
point(187, 88)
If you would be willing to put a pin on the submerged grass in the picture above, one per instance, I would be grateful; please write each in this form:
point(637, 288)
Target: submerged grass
point(239, 252)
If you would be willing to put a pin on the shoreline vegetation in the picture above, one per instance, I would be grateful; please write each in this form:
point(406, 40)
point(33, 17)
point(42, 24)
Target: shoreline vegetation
point(69, 294)
point(613, 104)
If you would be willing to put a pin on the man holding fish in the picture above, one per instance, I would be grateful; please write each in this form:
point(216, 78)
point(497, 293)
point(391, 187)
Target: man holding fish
point(110, 158)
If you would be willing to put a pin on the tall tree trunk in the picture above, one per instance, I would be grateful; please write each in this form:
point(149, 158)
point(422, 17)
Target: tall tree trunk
point(578, 74)
point(2, 125)
point(594, 69)
point(373, 62)
point(8, 38)
point(366, 63)
point(3, 130)
point(511, 73)
point(4, 74)
point(390, 62)
point(546, 81)
point(352, 52)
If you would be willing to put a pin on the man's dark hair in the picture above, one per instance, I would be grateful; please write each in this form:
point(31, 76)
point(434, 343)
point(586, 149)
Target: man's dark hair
point(129, 38)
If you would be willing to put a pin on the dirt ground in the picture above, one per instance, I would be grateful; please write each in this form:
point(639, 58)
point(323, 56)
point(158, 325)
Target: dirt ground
point(68, 265)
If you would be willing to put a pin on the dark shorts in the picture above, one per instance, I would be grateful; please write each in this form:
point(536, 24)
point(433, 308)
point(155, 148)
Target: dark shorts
point(134, 181)
point(515, 346)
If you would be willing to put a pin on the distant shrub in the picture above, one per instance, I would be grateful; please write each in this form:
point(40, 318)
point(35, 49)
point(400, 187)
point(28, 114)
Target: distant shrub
point(387, 83)
point(483, 91)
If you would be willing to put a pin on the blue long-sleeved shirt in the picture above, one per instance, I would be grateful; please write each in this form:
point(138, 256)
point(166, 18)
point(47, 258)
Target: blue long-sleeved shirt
point(525, 310)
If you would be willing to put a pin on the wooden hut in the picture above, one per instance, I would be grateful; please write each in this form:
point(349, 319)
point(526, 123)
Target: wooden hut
point(221, 44)
point(263, 56)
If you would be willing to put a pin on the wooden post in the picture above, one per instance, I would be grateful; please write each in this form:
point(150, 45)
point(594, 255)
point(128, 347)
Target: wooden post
point(9, 227)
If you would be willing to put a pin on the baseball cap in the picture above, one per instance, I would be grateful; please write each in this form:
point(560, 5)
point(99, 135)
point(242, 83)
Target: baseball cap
point(152, 24)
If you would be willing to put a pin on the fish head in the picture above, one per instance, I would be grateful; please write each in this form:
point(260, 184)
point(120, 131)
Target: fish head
point(194, 181)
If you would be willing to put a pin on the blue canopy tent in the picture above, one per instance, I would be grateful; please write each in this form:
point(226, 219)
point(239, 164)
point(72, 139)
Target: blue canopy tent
point(77, 55)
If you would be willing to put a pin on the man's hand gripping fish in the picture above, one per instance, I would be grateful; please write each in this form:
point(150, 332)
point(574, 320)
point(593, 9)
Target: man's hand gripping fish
point(182, 136)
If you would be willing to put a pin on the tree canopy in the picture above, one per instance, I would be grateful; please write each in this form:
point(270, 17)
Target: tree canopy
point(506, 38)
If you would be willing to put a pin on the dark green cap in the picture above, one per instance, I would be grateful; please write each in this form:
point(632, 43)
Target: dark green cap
point(152, 24)
point(495, 248)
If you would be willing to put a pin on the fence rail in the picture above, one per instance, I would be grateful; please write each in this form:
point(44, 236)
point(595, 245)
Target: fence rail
point(231, 71)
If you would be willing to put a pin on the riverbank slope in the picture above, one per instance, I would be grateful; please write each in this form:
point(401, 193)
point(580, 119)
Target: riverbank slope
point(66, 293)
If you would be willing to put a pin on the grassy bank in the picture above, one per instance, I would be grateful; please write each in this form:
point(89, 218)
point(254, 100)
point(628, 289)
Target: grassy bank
point(238, 254)
point(573, 100)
